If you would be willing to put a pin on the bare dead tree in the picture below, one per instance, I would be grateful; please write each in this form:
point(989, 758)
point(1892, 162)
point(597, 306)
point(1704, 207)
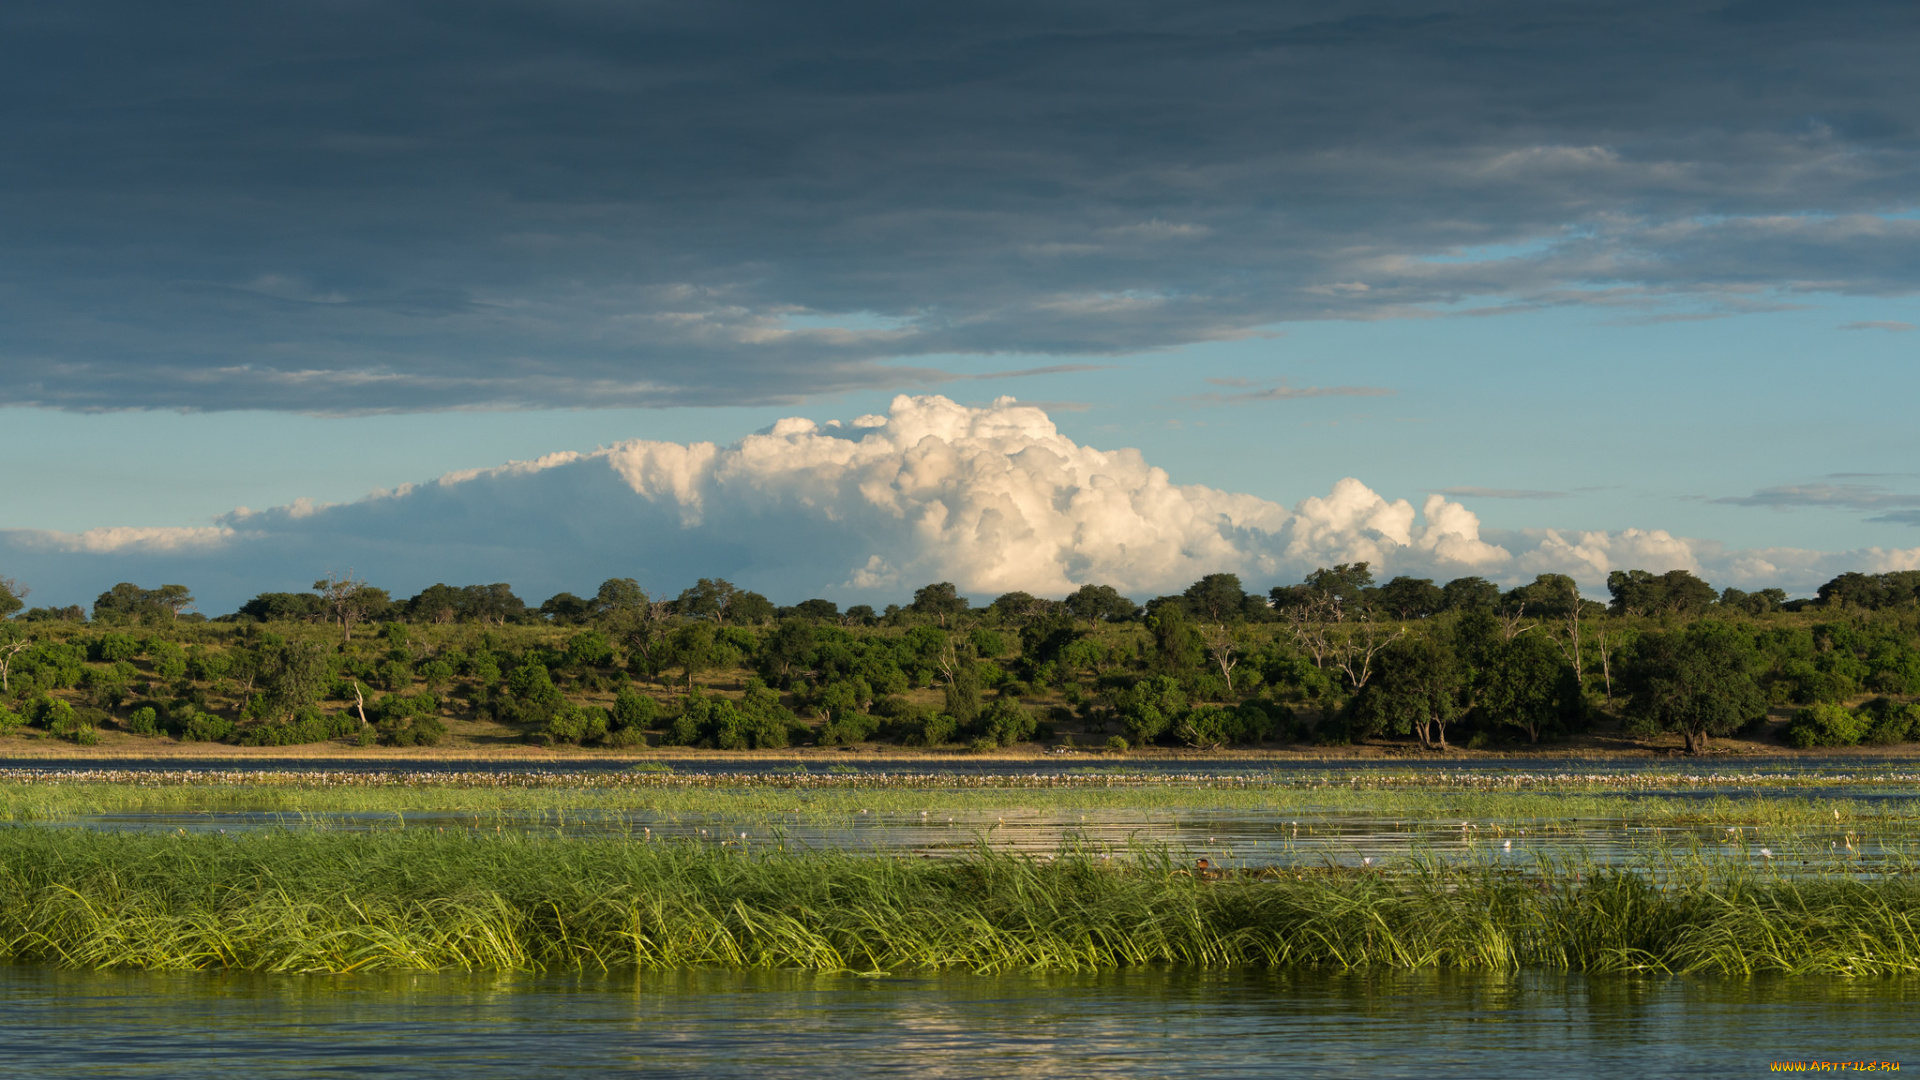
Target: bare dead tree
point(1307, 623)
point(1568, 638)
point(1220, 645)
point(9, 650)
point(641, 627)
point(346, 600)
point(1355, 648)
point(1510, 622)
point(1606, 646)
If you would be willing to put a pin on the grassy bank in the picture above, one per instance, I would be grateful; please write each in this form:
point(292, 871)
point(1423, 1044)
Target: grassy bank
point(422, 900)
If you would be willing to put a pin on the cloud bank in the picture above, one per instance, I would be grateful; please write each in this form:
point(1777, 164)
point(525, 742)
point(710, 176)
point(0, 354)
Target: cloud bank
point(358, 206)
point(993, 499)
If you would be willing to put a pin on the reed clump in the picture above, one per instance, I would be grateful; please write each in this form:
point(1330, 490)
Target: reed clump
point(415, 899)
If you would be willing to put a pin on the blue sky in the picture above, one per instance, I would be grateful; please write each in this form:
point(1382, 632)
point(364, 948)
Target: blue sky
point(1587, 268)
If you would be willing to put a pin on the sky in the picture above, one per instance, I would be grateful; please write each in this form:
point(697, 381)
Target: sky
point(1619, 285)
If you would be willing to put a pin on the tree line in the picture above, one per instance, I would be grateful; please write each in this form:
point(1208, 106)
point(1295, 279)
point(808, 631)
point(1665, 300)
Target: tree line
point(1332, 658)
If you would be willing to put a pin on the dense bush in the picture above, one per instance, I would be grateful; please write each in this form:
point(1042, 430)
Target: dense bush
point(1825, 725)
point(306, 725)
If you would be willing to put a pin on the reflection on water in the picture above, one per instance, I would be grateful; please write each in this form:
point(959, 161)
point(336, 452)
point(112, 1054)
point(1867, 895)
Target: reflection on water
point(1233, 837)
point(1151, 1022)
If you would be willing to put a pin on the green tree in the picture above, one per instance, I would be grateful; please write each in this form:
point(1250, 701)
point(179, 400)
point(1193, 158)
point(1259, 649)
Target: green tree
point(1419, 687)
point(1216, 598)
point(1698, 682)
point(1520, 684)
point(127, 602)
point(437, 603)
point(12, 597)
point(1018, 606)
point(1550, 596)
point(1900, 588)
point(1412, 598)
point(708, 598)
point(495, 604)
point(617, 597)
point(292, 675)
point(284, 607)
point(692, 649)
point(1754, 603)
point(786, 651)
point(566, 609)
point(751, 609)
point(348, 602)
point(939, 601)
point(1177, 646)
point(822, 610)
point(1637, 592)
point(1099, 603)
point(1469, 594)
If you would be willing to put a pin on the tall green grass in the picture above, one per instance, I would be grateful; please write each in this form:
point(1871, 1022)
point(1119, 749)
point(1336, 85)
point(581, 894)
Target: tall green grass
point(294, 901)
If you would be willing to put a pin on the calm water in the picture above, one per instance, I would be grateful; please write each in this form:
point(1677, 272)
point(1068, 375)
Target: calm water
point(763, 1024)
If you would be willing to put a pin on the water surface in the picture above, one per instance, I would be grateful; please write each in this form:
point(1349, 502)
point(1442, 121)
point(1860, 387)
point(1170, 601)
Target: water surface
point(1143, 1023)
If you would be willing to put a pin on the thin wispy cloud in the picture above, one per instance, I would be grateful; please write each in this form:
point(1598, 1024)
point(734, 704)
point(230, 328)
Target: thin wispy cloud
point(1844, 496)
point(1247, 391)
point(1879, 324)
point(1500, 493)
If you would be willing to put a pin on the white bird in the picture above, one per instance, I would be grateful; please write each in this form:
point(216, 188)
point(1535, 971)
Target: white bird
point(1766, 854)
point(1507, 846)
point(1368, 861)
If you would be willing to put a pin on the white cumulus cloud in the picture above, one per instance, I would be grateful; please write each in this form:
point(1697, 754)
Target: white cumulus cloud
point(993, 499)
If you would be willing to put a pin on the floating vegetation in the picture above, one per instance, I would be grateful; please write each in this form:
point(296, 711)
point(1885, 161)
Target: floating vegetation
point(419, 899)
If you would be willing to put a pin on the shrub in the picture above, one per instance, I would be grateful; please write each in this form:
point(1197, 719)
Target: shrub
point(757, 722)
point(989, 643)
point(622, 738)
point(589, 649)
point(1006, 723)
point(169, 660)
point(10, 721)
point(1149, 708)
point(1825, 724)
point(423, 729)
point(109, 648)
point(61, 721)
point(144, 721)
point(1117, 742)
point(436, 674)
point(847, 729)
point(1888, 723)
point(634, 710)
point(306, 725)
point(395, 675)
point(577, 724)
point(205, 727)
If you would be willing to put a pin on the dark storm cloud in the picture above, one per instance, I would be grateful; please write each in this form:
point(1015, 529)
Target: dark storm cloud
point(356, 206)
